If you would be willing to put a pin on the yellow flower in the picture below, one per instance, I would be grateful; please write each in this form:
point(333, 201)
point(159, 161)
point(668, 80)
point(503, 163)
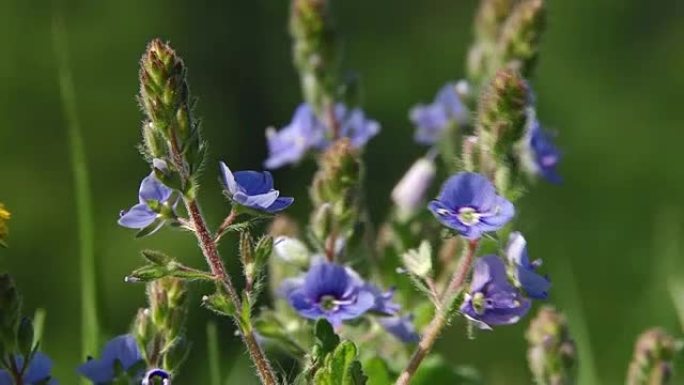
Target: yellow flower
point(4, 217)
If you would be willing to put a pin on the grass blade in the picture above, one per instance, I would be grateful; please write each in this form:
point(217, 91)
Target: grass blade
point(213, 353)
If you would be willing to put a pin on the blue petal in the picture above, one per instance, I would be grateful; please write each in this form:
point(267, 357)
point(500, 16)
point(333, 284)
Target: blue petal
point(430, 121)
point(365, 300)
point(280, 204)
point(451, 102)
point(151, 189)
point(123, 348)
point(400, 327)
point(327, 279)
point(254, 182)
point(39, 369)
point(535, 285)
point(138, 217)
point(287, 146)
point(97, 371)
point(501, 213)
point(228, 179)
point(303, 304)
point(516, 249)
point(357, 128)
point(383, 300)
point(5, 378)
point(259, 202)
point(484, 270)
point(467, 189)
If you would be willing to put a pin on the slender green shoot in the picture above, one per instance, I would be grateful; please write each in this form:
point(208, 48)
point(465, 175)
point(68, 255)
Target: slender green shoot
point(213, 353)
point(38, 325)
point(89, 322)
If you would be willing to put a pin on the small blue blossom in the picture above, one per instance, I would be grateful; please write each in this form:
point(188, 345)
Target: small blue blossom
point(290, 144)
point(157, 374)
point(544, 156)
point(123, 349)
point(37, 372)
point(524, 272)
point(432, 119)
point(155, 202)
point(400, 327)
point(329, 291)
point(468, 203)
point(307, 132)
point(492, 300)
point(254, 190)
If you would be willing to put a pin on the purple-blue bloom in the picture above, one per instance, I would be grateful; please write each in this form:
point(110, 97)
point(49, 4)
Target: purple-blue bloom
point(154, 197)
point(156, 374)
point(492, 300)
point(544, 153)
point(329, 291)
point(123, 349)
point(469, 204)
point(37, 372)
point(524, 272)
point(400, 327)
point(432, 119)
point(254, 190)
point(307, 132)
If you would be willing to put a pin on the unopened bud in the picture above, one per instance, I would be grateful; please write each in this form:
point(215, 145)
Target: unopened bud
point(552, 354)
point(654, 353)
point(409, 193)
point(520, 36)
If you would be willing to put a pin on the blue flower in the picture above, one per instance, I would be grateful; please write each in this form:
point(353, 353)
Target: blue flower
point(432, 119)
point(38, 371)
point(468, 203)
point(307, 132)
point(329, 291)
point(524, 271)
point(544, 156)
point(492, 300)
point(290, 144)
point(157, 374)
point(254, 190)
point(123, 349)
point(155, 202)
point(400, 327)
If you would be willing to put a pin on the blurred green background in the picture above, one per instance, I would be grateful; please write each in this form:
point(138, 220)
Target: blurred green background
point(610, 80)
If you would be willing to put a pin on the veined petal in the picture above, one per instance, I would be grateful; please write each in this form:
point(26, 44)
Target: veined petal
point(467, 189)
point(259, 202)
point(138, 217)
point(326, 279)
point(228, 179)
point(280, 204)
point(254, 182)
point(151, 189)
point(39, 369)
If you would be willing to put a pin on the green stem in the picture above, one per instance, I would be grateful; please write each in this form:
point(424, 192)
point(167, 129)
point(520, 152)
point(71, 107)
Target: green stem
point(434, 329)
point(89, 321)
point(213, 353)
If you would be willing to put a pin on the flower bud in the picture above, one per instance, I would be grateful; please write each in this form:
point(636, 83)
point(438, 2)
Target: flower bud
point(164, 320)
point(654, 353)
point(314, 50)
point(409, 193)
point(519, 41)
point(552, 354)
point(482, 56)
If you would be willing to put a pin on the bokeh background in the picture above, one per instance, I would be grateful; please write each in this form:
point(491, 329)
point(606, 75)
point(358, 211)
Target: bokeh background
point(610, 81)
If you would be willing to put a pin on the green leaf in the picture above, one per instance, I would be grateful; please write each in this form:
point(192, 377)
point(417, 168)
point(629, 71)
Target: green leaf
point(325, 337)
point(435, 370)
point(263, 249)
point(156, 257)
point(219, 303)
point(377, 371)
point(270, 327)
point(341, 367)
point(25, 336)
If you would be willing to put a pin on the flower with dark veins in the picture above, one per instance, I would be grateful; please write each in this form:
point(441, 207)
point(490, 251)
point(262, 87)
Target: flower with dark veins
point(329, 291)
point(156, 204)
point(254, 190)
point(121, 351)
point(432, 119)
point(523, 271)
point(469, 204)
point(37, 372)
point(492, 300)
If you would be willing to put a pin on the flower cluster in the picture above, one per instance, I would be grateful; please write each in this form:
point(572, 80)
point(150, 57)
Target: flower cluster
point(308, 132)
point(468, 203)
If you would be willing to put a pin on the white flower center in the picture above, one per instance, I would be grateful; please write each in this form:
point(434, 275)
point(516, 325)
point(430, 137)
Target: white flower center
point(468, 216)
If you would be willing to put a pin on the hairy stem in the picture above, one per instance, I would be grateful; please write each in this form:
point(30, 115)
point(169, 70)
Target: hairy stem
point(434, 329)
point(210, 251)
